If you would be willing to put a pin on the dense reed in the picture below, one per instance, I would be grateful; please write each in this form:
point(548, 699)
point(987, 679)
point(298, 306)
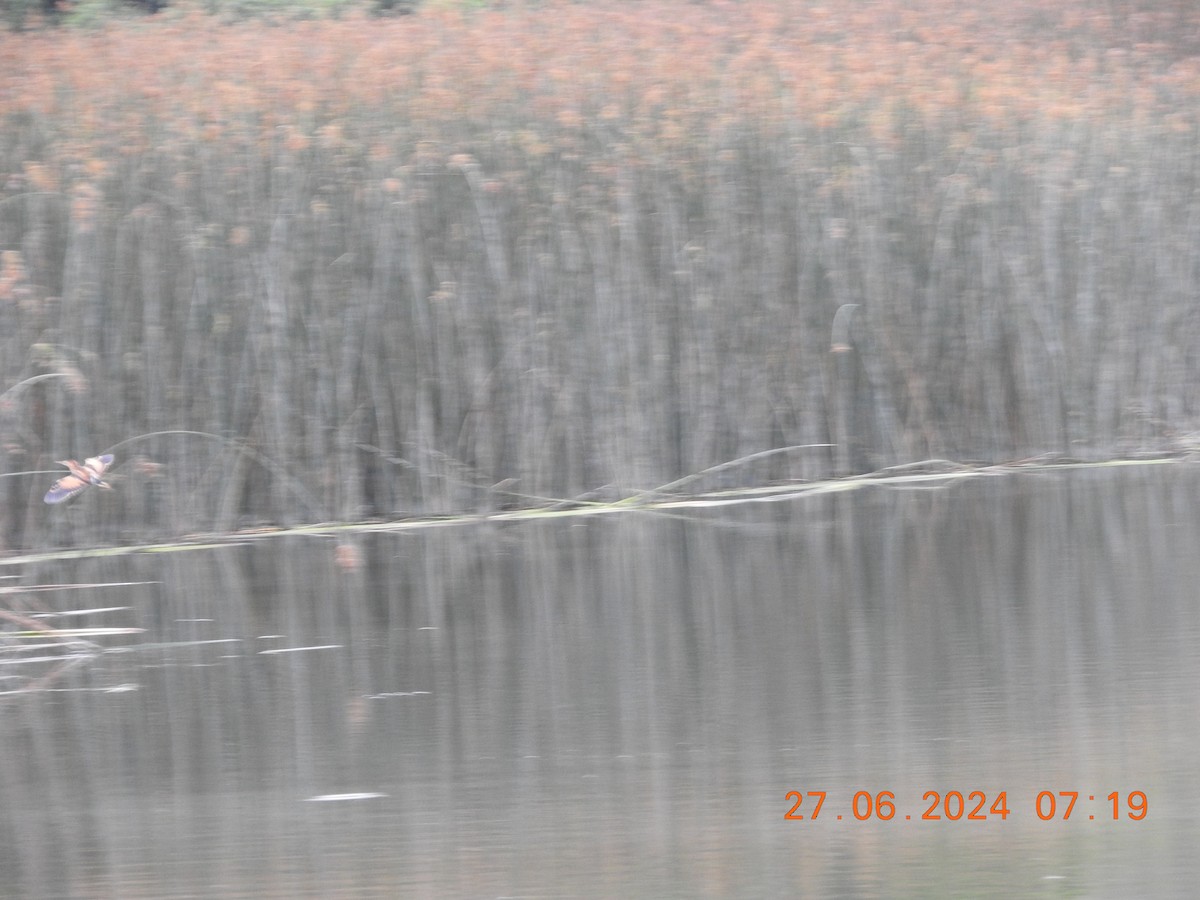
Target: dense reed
point(460, 260)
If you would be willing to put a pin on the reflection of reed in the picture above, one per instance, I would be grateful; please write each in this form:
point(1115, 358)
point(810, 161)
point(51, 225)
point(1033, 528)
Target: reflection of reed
point(80, 651)
point(77, 648)
point(628, 689)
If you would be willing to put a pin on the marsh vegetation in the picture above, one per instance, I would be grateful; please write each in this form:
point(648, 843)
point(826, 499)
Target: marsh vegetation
point(466, 260)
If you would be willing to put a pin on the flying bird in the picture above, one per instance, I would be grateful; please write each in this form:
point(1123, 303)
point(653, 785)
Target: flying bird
point(81, 477)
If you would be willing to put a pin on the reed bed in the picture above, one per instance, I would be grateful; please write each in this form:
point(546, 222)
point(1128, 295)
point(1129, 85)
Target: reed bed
point(467, 260)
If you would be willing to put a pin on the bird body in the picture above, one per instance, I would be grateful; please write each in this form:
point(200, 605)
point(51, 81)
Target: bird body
point(82, 476)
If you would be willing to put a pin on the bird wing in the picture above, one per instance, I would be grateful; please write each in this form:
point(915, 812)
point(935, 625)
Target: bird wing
point(65, 488)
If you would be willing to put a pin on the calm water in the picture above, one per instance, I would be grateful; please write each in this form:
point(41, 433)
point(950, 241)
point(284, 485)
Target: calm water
point(619, 705)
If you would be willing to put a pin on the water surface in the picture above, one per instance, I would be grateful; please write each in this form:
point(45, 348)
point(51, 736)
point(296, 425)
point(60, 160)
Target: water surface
point(619, 705)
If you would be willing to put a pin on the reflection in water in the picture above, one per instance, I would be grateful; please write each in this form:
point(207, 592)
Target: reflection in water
point(618, 706)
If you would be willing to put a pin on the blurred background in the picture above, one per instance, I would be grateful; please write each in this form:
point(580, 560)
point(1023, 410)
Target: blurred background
point(419, 273)
point(474, 258)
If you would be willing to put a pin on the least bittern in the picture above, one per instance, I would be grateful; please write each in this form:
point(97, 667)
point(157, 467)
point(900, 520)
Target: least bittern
point(82, 476)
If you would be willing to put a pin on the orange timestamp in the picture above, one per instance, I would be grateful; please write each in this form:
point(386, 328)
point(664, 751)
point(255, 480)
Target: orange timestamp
point(973, 806)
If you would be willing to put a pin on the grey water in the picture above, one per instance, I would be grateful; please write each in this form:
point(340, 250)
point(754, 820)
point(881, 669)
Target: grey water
point(622, 705)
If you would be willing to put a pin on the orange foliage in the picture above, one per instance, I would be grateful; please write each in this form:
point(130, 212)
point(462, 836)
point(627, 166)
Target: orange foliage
point(673, 73)
point(12, 273)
